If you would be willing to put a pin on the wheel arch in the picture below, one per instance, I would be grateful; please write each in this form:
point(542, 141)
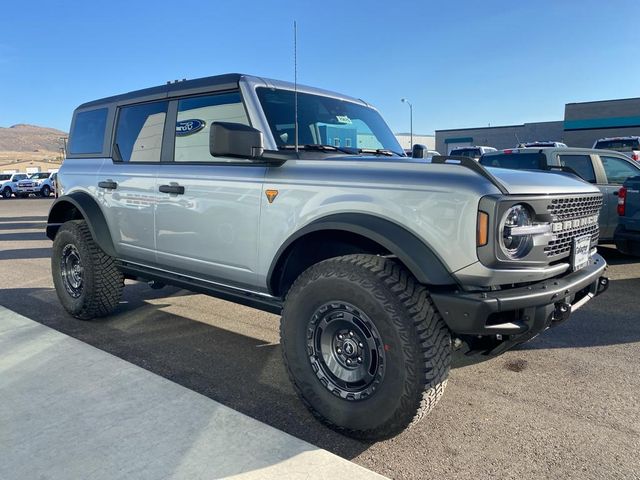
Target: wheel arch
point(367, 234)
point(81, 206)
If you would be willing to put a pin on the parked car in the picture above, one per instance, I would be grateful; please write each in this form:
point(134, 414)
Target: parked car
point(542, 145)
point(472, 152)
point(630, 146)
point(384, 269)
point(38, 183)
point(627, 234)
point(9, 183)
point(606, 169)
point(428, 153)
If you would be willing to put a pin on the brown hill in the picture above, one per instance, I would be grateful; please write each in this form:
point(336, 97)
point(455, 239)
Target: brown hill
point(30, 138)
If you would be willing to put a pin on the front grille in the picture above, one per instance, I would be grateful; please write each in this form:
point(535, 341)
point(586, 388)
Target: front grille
point(573, 208)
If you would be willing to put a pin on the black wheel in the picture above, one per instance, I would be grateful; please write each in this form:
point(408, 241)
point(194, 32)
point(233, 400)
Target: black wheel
point(46, 191)
point(87, 280)
point(364, 345)
point(6, 193)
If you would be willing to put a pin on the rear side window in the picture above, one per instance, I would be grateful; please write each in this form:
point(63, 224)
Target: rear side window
point(516, 161)
point(139, 132)
point(618, 170)
point(621, 145)
point(87, 136)
point(581, 164)
point(193, 125)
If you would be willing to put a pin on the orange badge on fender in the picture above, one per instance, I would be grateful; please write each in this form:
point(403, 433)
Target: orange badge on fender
point(271, 195)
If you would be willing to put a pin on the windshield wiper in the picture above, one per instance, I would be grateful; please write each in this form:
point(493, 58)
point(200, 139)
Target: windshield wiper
point(379, 151)
point(323, 148)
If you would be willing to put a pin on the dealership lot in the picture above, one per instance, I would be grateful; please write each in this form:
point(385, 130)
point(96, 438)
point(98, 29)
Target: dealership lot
point(565, 405)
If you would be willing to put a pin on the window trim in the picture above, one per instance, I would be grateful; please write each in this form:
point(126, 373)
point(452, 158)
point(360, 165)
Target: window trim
point(106, 144)
point(595, 165)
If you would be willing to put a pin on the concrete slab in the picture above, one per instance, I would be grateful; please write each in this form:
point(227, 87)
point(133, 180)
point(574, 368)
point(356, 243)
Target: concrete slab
point(71, 411)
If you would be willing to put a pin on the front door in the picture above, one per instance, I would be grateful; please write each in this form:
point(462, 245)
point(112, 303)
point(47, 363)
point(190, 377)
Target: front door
point(208, 211)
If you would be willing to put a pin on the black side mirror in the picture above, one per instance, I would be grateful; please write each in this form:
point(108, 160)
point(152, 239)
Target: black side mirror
point(419, 151)
point(228, 139)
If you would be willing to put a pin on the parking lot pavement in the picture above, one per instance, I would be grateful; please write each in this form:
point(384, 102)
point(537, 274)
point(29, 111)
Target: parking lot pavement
point(565, 405)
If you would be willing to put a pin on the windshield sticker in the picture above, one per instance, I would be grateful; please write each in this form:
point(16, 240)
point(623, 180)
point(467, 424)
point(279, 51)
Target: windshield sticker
point(189, 127)
point(343, 119)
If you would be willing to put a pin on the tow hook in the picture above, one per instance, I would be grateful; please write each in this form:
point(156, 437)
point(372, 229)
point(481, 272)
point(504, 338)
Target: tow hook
point(561, 313)
point(603, 284)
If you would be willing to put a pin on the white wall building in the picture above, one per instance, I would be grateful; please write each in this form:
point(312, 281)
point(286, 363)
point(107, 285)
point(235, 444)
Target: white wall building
point(405, 140)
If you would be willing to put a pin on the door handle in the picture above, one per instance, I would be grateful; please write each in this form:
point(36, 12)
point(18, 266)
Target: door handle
point(173, 188)
point(108, 184)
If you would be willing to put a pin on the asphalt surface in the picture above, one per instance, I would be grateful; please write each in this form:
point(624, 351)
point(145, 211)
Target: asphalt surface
point(565, 405)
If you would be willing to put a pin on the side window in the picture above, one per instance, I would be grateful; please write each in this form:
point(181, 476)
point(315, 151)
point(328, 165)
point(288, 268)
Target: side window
point(139, 132)
point(195, 116)
point(581, 164)
point(87, 135)
point(618, 170)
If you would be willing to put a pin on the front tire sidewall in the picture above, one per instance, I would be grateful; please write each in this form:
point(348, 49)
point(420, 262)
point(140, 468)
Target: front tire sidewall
point(400, 355)
point(6, 193)
point(45, 192)
point(71, 236)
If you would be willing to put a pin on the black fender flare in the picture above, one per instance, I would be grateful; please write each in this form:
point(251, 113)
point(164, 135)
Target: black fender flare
point(90, 211)
point(417, 256)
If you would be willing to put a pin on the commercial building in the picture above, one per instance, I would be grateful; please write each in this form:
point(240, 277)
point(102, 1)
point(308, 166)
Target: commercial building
point(583, 124)
point(405, 140)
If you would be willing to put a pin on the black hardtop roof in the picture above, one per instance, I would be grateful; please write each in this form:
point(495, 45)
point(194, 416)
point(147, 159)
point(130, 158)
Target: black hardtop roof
point(230, 79)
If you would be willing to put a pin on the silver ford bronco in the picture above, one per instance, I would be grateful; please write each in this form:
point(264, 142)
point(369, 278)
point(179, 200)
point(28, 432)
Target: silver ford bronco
point(386, 270)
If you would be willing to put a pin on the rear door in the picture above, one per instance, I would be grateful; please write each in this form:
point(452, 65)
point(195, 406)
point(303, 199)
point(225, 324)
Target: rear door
point(616, 171)
point(208, 215)
point(127, 184)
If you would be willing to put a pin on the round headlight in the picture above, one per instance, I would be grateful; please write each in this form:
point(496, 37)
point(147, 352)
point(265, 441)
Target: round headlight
point(513, 244)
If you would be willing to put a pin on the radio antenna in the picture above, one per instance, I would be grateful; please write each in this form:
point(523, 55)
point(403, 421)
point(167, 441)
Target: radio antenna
point(295, 81)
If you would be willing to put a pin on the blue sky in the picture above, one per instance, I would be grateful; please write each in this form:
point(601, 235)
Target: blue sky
point(461, 63)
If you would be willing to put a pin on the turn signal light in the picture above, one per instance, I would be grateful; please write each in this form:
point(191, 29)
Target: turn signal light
point(482, 236)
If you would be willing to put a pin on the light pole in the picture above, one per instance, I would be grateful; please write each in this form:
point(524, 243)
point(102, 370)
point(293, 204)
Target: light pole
point(404, 100)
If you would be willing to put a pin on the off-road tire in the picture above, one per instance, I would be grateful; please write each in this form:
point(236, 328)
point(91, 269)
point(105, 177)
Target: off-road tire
point(6, 193)
point(102, 281)
point(417, 344)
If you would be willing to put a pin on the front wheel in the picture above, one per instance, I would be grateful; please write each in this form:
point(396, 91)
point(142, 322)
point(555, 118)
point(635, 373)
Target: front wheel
point(6, 193)
point(46, 191)
point(364, 345)
point(87, 280)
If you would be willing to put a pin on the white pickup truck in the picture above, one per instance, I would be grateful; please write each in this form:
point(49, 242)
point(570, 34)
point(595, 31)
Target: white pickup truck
point(40, 183)
point(9, 183)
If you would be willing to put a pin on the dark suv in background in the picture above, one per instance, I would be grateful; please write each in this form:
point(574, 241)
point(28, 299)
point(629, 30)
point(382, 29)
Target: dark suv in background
point(606, 169)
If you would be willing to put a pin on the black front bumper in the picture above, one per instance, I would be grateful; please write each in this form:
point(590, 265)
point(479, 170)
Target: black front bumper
point(522, 312)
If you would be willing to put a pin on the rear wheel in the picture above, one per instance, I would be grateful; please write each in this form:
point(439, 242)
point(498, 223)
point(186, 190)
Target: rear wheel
point(364, 346)
point(6, 193)
point(87, 280)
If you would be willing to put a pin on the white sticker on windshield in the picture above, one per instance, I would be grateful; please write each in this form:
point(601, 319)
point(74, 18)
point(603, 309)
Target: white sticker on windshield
point(343, 119)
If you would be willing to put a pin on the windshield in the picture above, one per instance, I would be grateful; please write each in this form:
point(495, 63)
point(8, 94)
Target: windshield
point(325, 121)
point(466, 152)
point(620, 145)
point(4, 177)
point(37, 176)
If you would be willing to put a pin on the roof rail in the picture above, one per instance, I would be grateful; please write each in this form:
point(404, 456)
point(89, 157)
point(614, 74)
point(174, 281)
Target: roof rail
point(471, 165)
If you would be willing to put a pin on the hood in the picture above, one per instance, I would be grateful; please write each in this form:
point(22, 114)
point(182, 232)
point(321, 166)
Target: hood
point(530, 182)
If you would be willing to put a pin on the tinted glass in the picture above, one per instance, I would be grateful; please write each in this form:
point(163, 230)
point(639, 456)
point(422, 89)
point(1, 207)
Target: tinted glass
point(195, 116)
point(325, 121)
point(87, 135)
point(516, 161)
point(4, 177)
point(139, 132)
point(467, 152)
point(619, 145)
point(580, 164)
point(40, 175)
point(618, 170)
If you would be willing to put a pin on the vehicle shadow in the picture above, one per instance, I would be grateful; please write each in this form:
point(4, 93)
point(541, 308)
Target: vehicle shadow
point(25, 253)
point(23, 219)
point(12, 237)
point(615, 257)
point(239, 371)
point(22, 225)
